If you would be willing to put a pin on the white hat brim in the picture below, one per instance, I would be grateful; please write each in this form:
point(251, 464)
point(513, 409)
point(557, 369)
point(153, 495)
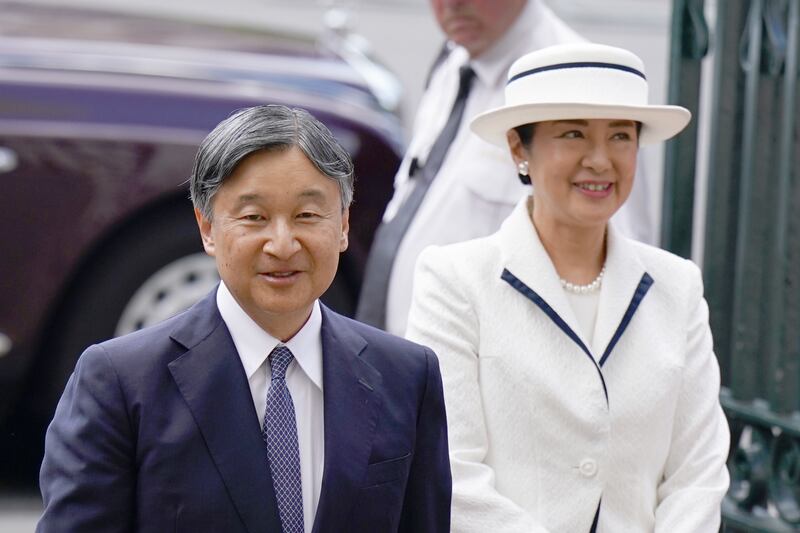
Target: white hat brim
point(659, 122)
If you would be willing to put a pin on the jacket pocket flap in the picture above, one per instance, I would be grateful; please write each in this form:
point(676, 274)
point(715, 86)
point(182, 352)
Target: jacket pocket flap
point(386, 471)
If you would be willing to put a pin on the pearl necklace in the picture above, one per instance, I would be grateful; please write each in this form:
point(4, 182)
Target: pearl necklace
point(594, 286)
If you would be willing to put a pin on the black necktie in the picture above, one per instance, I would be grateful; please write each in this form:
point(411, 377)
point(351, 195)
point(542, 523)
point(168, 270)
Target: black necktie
point(372, 302)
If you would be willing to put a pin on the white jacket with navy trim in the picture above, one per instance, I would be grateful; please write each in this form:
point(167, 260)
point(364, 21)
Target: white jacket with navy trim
point(543, 427)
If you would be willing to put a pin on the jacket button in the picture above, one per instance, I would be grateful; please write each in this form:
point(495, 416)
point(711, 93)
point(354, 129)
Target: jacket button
point(588, 468)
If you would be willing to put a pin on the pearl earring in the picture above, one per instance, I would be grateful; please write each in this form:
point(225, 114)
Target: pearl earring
point(522, 168)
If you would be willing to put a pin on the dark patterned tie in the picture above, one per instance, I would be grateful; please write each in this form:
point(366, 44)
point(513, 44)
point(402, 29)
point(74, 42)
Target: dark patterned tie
point(372, 302)
point(283, 451)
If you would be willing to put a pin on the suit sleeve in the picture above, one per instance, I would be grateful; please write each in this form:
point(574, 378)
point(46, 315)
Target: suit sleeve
point(426, 506)
point(87, 477)
point(695, 477)
point(443, 318)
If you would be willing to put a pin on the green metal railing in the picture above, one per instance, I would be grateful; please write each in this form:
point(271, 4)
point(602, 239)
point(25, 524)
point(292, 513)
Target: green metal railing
point(752, 251)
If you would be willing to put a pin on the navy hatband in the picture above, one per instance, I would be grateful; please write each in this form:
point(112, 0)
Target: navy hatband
point(589, 64)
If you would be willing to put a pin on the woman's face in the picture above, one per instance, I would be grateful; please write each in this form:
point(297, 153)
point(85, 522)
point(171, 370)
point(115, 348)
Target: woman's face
point(582, 170)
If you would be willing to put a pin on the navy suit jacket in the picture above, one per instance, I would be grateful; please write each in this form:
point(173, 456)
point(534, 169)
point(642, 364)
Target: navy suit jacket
point(156, 431)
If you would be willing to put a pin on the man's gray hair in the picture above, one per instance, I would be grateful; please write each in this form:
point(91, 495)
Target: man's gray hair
point(266, 127)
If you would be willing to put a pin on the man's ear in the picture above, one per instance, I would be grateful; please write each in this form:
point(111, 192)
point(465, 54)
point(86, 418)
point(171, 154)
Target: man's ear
point(344, 240)
point(205, 232)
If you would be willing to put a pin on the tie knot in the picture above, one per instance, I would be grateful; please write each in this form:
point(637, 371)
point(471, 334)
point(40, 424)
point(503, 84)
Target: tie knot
point(279, 361)
point(465, 77)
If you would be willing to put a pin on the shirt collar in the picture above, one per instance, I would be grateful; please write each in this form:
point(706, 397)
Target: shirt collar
point(492, 66)
point(254, 344)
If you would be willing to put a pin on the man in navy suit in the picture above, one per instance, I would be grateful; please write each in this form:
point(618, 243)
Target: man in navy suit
point(258, 409)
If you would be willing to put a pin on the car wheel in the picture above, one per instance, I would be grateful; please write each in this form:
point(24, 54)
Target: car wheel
point(129, 282)
point(168, 291)
point(110, 285)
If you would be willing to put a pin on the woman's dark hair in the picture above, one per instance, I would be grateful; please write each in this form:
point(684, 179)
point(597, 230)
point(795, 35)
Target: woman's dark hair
point(525, 133)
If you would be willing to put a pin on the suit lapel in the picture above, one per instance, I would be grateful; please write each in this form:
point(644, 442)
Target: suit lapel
point(526, 260)
point(351, 393)
point(624, 285)
point(212, 381)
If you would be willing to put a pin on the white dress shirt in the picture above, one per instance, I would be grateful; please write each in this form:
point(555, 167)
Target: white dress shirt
point(303, 378)
point(476, 187)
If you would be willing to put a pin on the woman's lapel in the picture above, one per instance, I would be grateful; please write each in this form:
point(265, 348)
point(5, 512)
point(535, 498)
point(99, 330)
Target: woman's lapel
point(625, 284)
point(525, 258)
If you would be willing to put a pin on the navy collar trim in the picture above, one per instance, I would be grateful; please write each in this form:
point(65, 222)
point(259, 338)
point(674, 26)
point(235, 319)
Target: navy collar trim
point(596, 517)
point(641, 290)
point(644, 285)
point(582, 64)
point(529, 293)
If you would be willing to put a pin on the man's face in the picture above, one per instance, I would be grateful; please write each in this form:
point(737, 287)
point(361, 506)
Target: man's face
point(476, 24)
point(277, 232)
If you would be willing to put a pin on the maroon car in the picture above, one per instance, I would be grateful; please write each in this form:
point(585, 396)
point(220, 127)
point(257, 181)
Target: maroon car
point(100, 118)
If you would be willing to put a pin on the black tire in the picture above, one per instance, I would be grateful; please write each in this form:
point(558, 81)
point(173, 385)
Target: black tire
point(90, 311)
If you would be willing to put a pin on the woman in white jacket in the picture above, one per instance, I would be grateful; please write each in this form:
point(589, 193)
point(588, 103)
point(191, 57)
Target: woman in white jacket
point(579, 374)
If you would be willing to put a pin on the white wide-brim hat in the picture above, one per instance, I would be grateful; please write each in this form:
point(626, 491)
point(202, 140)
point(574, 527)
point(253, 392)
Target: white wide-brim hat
point(579, 81)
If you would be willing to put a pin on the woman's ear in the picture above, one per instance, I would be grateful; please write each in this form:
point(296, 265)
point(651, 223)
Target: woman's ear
point(518, 152)
point(520, 155)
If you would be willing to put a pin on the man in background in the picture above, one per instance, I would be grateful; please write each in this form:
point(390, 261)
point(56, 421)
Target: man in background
point(451, 185)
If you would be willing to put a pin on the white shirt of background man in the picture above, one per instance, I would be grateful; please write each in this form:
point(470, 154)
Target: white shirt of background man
point(477, 186)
